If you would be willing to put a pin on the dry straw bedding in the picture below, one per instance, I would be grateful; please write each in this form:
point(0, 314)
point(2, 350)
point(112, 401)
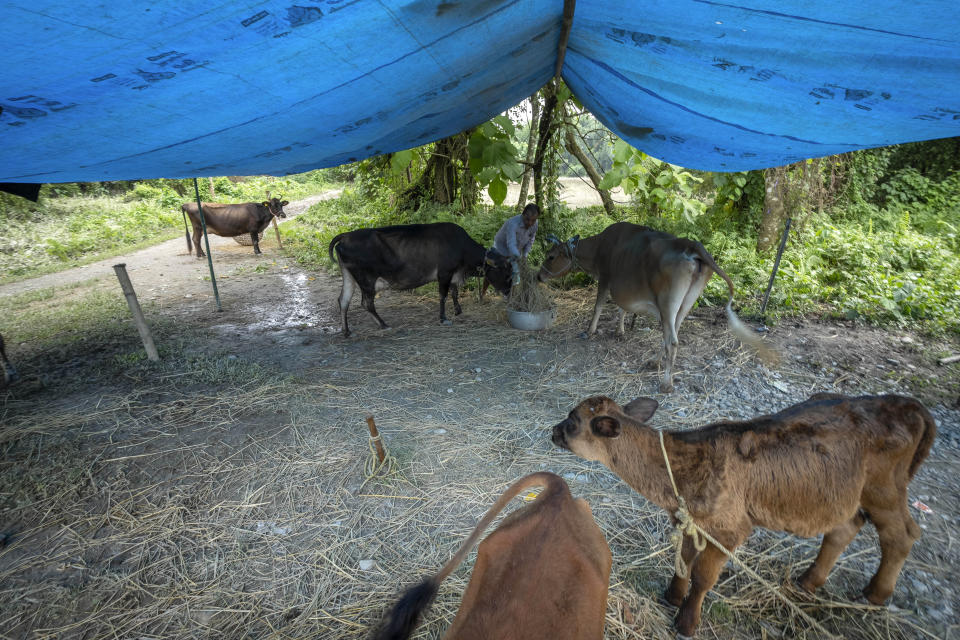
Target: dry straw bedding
point(170, 512)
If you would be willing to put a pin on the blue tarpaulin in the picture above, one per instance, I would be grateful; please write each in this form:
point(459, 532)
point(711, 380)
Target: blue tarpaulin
point(107, 91)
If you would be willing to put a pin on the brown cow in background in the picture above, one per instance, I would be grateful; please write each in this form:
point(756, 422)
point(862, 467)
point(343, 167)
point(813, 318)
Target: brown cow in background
point(229, 220)
point(542, 575)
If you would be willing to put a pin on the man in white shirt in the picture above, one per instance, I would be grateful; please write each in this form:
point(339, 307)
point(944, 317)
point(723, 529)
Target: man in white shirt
point(515, 240)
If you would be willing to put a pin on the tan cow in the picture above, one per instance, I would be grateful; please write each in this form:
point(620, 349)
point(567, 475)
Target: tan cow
point(649, 271)
point(542, 575)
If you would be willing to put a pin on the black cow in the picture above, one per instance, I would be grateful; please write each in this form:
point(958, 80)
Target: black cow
point(9, 373)
point(231, 220)
point(409, 256)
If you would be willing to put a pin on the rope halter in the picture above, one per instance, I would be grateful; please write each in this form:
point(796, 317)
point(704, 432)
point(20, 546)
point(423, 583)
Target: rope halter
point(685, 525)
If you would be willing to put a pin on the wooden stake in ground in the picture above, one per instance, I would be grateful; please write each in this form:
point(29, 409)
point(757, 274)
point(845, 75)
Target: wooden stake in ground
point(141, 322)
point(273, 219)
point(375, 436)
point(277, 229)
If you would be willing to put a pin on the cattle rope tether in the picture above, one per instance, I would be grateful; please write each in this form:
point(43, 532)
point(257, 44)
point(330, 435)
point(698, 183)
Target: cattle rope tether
point(379, 459)
point(687, 526)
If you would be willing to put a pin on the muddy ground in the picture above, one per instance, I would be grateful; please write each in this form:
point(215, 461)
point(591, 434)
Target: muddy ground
point(222, 493)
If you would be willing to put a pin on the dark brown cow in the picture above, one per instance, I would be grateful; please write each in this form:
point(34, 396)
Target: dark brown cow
point(229, 220)
point(409, 256)
point(9, 373)
point(827, 465)
point(542, 575)
point(649, 271)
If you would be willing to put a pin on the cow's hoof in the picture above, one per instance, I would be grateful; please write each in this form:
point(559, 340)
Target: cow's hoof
point(446, 322)
point(666, 387)
point(583, 335)
point(806, 584)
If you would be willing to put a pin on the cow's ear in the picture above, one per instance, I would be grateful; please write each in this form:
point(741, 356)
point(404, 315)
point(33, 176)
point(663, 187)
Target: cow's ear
point(490, 261)
point(605, 426)
point(265, 203)
point(284, 203)
point(641, 409)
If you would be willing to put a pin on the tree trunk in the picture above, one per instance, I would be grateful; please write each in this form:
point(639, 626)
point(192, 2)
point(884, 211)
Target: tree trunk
point(574, 148)
point(441, 181)
point(543, 139)
point(531, 151)
point(213, 193)
point(444, 173)
point(774, 208)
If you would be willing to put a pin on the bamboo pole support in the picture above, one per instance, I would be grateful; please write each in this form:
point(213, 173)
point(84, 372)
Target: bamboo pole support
point(141, 322)
point(277, 229)
point(273, 219)
point(376, 438)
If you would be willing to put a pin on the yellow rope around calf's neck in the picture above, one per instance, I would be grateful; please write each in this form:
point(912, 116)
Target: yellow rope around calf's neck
point(687, 526)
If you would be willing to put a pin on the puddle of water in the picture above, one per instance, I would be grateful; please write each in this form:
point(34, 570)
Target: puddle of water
point(295, 310)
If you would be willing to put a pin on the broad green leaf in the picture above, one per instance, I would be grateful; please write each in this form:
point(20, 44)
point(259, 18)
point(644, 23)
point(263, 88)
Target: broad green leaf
point(486, 174)
point(400, 160)
point(612, 178)
point(513, 170)
point(489, 130)
point(622, 151)
point(497, 191)
point(505, 123)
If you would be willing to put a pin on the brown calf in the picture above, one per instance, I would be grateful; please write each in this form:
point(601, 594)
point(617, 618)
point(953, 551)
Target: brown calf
point(826, 465)
point(543, 574)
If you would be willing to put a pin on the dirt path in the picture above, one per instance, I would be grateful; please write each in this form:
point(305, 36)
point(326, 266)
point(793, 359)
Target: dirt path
point(163, 264)
point(575, 192)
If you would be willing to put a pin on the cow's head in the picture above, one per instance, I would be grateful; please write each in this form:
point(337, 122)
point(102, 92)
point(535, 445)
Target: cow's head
point(591, 429)
point(560, 258)
point(275, 206)
point(498, 271)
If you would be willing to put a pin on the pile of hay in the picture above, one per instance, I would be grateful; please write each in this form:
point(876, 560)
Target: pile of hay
point(527, 294)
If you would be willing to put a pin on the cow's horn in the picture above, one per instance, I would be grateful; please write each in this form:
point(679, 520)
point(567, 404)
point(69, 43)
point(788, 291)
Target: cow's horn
point(552, 239)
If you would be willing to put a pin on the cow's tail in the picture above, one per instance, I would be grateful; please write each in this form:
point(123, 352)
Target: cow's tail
point(402, 619)
point(926, 440)
point(737, 327)
point(333, 243)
